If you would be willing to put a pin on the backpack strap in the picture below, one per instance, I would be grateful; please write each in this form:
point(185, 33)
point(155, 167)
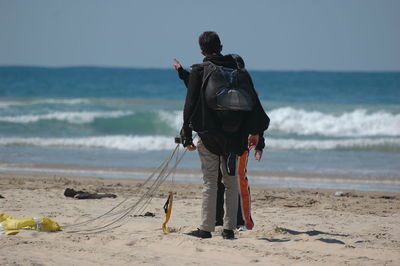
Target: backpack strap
point(209, 67)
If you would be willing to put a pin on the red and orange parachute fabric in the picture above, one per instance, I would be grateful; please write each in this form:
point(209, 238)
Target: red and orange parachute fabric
point(244, 191)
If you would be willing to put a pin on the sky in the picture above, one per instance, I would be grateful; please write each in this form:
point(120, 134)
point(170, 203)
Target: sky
point(337, 35)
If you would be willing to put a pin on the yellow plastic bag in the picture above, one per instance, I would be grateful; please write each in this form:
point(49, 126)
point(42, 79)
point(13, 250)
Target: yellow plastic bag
point(12, 226)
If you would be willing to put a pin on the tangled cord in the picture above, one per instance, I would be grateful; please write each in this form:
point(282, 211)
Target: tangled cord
point(118, 215)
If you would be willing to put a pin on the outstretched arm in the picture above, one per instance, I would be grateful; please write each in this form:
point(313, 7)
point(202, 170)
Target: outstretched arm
point(183, 73)
point(192, 96)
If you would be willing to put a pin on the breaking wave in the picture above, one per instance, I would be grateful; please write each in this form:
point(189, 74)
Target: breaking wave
point(119, 142)
point(137, 143)
point(392, 144)
point(4, 105)
point(62, 101)
point(174, 118)
point(71, 117)
point(350, 124)
point(7, 103)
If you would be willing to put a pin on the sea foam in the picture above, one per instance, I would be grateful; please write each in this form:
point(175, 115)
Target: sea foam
point(331, 144)
point(75, 101)
point(62, 101)
point(349, 124)
point(119, 142)
point(71, 117)
point(174, 118)
point(138, 143)
point(357, 123)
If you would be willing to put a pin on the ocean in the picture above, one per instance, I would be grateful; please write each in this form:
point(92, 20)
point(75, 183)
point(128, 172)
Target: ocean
point(344, 124)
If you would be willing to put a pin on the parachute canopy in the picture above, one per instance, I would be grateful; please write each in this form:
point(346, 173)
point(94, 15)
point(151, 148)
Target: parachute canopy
point(12, 226)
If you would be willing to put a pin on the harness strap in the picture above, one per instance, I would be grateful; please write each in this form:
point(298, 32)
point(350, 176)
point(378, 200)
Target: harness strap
point(167, 209)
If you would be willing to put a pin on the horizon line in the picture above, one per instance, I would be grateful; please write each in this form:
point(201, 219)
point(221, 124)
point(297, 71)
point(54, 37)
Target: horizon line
point(167, 68)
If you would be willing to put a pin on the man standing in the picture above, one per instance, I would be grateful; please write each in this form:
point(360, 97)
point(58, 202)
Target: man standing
point(223, 108)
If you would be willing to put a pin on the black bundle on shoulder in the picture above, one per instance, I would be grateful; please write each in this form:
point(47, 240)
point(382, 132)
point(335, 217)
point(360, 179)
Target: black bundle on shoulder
point(227, 89)
point(228, 92)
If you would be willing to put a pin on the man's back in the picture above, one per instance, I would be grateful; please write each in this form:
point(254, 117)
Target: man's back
point(218, 150)
point(221, 128)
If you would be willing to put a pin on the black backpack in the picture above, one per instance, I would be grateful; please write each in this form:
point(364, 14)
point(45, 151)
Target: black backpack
point(229, 93)
point(224, 90)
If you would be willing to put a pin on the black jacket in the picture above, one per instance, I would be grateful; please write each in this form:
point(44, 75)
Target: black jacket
point(197, 115)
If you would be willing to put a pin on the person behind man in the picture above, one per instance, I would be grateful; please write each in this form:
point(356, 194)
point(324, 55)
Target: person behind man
point(227, 127)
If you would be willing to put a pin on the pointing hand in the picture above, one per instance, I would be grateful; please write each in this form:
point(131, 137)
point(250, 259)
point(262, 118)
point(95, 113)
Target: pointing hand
point(177, 65)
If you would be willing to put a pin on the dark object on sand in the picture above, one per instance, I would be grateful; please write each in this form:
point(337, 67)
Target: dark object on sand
point(1, 197)
point(147, 214)
point(69, 192)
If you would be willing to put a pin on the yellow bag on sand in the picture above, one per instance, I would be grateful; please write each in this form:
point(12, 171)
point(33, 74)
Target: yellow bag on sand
point(12, 226)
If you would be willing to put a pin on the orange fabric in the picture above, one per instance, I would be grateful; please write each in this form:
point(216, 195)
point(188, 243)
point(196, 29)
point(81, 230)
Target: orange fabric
point(168, 213)
point(244, 191)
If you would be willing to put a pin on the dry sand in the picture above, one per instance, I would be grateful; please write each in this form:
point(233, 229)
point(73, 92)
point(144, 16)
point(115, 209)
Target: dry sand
point(292, 227)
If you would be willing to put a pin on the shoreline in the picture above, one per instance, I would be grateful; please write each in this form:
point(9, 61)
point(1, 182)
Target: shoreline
point(256, 178)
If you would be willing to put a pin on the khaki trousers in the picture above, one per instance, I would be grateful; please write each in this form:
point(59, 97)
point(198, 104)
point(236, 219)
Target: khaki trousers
point(210, 164)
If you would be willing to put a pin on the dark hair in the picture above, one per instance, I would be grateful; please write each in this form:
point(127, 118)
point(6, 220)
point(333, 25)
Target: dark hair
point(209, 42)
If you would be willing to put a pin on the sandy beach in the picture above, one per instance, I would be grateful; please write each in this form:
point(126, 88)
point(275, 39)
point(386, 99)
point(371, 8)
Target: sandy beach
point(292, 226)
point(101, 101)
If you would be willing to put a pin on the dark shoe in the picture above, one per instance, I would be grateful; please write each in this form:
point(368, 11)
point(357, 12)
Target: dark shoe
point(200, 233)
point(228, 234)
